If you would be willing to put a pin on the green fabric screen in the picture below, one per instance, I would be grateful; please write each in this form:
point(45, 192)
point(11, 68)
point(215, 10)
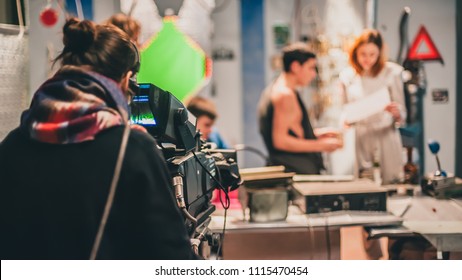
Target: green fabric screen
point(173, 61)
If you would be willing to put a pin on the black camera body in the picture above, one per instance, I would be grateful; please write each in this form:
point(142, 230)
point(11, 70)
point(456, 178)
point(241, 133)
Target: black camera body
point(196, 169)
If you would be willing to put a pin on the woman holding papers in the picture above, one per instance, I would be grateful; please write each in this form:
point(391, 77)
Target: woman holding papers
point(374, 98)
point(375, 85)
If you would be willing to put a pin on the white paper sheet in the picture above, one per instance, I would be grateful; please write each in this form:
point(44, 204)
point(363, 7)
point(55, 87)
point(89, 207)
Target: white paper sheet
point(367, 106)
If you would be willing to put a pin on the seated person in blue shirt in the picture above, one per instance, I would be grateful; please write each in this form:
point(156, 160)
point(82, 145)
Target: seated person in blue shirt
point(206, 113)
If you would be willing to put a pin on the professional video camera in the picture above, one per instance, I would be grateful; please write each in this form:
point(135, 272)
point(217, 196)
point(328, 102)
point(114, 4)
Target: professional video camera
point(196, 169)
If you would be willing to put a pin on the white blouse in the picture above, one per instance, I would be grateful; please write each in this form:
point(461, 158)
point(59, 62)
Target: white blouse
point(377, 135)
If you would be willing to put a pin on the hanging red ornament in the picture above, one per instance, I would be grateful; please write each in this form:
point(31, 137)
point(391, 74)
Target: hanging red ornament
point(49, 16)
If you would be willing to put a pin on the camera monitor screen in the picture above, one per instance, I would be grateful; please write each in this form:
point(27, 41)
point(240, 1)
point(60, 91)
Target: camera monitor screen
point(141, 111)
point(164, 116)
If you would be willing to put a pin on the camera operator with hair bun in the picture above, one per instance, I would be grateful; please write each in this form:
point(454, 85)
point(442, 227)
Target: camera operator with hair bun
point(59, 167)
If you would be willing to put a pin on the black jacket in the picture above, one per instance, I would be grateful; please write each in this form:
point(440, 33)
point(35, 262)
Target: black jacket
point(52, 198)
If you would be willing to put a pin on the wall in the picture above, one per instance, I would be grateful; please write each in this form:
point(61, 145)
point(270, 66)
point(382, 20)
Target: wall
point(46, 43)
point(458, 171)
point(9, 14)
point(332, 17)
point(5, 6)
point(253, 74)
point(226, 75)
point(103, 9)
point(258, 49)
point(331, 20)
point(439, 18)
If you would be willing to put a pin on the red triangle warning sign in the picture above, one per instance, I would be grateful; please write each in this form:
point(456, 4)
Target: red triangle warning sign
point(423, 47)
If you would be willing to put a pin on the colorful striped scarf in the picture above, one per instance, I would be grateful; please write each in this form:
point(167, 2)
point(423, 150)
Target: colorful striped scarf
point(74, 106)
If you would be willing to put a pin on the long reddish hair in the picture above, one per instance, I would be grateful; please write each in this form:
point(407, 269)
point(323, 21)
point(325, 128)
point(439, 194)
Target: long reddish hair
point(368, 36)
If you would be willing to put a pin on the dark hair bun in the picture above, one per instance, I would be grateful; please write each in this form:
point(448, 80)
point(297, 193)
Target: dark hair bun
point(78, 35)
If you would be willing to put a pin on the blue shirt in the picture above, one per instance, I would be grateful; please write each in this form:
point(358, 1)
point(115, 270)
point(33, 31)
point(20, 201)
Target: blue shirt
point(215, 137)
